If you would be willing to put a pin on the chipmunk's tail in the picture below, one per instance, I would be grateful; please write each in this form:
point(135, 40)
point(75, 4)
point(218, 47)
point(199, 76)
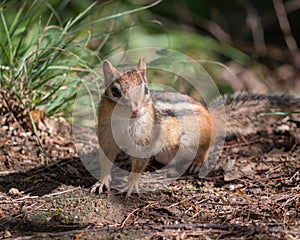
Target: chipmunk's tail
point(247, 113)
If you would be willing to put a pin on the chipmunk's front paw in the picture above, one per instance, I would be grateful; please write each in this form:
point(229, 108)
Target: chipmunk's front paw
point(101, 185)
point(132, 184)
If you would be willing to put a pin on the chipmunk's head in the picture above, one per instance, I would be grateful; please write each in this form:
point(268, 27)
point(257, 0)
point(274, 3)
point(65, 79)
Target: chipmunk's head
point(128, 88)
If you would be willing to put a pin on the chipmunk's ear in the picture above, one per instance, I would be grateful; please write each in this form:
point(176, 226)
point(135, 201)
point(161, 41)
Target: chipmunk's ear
point(141, 66)
point(110, 73)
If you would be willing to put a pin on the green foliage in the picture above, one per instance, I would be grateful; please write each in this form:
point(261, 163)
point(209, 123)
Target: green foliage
point(39, 59)
point(44, 56)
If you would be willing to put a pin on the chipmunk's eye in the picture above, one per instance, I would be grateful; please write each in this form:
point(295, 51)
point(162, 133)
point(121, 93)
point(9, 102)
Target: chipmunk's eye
point(146, 90)
point(116, 92)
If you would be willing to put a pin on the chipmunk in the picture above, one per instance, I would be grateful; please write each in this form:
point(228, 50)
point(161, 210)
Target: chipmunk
point(178, 118)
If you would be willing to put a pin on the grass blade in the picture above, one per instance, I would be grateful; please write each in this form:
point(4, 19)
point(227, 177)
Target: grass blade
point(8, 39)
point(117, 15)
point(283, 114)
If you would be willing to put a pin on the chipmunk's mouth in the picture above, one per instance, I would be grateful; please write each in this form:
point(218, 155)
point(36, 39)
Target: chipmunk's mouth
point(137, 114)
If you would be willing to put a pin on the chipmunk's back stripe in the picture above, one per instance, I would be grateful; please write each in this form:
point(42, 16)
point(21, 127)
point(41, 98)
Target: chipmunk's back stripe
point(178, 109)
point(179, 114)
point(174, 104)
point(171, 97)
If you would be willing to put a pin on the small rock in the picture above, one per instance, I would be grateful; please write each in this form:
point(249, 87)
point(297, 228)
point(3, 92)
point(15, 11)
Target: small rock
point(7, 234)
point(14, 191)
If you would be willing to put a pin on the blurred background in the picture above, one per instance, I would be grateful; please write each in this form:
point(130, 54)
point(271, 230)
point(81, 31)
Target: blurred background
point(49, 46)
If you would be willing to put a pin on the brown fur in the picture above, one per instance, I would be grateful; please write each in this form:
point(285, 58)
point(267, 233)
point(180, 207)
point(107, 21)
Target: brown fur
point(160, 111)
point(129, 80)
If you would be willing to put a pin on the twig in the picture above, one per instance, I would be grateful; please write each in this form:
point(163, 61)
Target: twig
point(241, 144)
point(129, 215)
point(60, 193)
point(188, 199)
point(8, 172)
point(295, 175)
point(285, 26)
point(289, 200)
point(135, 210)
point(212, 27)
point(292, 5)
point(79, 235)
point(255, 24)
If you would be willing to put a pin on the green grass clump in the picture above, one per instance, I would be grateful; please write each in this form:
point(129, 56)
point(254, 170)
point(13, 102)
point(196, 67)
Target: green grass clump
point(38, 58)
point(44, 56)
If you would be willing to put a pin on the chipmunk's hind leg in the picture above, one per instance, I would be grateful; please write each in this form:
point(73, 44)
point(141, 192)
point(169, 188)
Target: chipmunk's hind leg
point(197, 163)
point(205, 138)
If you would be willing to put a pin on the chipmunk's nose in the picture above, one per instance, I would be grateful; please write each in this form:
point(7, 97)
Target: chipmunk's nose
point(134, 113)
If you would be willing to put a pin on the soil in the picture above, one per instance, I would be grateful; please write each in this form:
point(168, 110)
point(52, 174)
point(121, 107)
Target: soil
point(252, 193)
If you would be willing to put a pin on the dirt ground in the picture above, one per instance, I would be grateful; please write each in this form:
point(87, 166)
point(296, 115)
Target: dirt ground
point(253, 192)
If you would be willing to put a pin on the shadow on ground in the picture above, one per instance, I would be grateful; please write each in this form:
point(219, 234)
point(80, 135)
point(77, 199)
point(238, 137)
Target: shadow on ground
point(43, 180)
